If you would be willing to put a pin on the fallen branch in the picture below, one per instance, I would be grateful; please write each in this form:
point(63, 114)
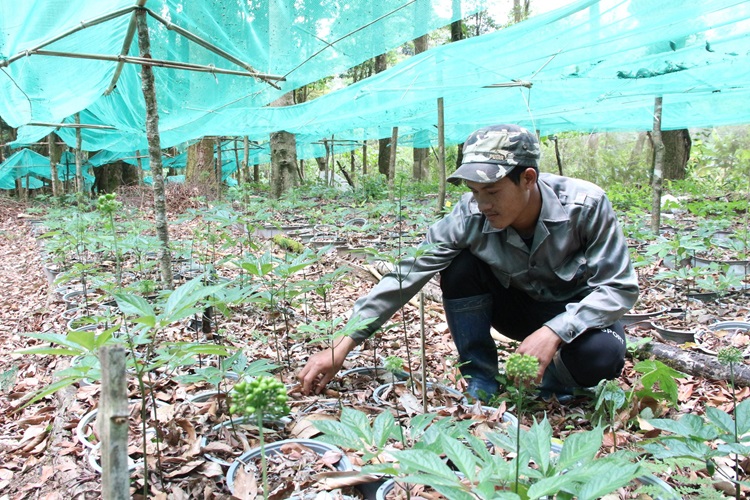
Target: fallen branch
point(692, 362)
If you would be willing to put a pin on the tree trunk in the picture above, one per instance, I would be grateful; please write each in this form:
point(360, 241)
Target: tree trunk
point(421, 156)
point(457, 34)
point(392, 161)
point(658, 162)
point(364, 157)
point(55, 152)
point(199, 170)
point(154, 153)
point(109, 177)
point(283, 156)
point(693, 363)
point(384, 150)
point(79, 157)
point(677, 145)
point(245, 159)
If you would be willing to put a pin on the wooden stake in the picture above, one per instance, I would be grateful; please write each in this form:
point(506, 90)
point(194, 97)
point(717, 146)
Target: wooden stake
point(79, 157)
point(112, 423)
point(441, 154)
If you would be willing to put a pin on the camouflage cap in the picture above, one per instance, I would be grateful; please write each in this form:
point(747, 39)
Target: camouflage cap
point(491, 152)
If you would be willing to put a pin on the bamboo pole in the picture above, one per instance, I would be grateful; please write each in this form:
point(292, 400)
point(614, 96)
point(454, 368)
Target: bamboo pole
point(127, 42)
point(112, 423)
point(216, 50)
point(154, 153)
point(70, 125)
point(656, 184)
point(82, 25)
point(154, 62)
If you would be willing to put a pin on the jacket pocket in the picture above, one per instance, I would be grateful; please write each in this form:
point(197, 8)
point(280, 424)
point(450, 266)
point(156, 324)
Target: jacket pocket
point(574, 271)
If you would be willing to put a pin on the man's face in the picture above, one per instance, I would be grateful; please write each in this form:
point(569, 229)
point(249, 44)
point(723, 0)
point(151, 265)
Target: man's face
point(502, 202)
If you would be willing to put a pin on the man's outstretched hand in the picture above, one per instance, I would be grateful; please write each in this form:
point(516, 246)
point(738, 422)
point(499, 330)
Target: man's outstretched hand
point(541, 344)
point(324, 365)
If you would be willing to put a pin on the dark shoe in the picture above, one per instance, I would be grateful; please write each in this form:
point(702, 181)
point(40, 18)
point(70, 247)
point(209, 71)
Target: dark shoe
point(482, 389)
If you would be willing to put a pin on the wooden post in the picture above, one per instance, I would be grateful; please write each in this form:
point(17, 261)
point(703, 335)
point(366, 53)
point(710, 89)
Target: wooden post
point(245, 160)
point(79, 156)
point(441, 154)
point(364, 157)
point(112, 424)
point(333, 161)
point(557, 156)
point(219, 170)
point(140, 166)
point(658, 168)
point(154, 152)
point(54, 157)
point(392, 162)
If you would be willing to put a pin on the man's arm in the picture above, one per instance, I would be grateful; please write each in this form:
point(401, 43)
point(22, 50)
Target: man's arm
point(613, 283)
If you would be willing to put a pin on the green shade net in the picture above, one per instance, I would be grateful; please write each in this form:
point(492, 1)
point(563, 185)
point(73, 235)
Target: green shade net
point(299, 40)
point(30, 167)
point(66, 168)
point(588, 66)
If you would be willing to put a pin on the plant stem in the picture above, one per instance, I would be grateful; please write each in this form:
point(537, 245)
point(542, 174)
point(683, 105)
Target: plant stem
point(118, 265)
point(263, 464)
point(519, 405)
point(737, 489)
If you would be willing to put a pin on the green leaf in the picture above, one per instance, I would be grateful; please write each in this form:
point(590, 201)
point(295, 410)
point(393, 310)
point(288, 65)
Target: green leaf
point(656, 373)
point(742, 417)
point(50, 351)
point(104, 337)
point(580, 447)
point(339, 434)
point(182, 301)
point(538, 442)
point(608, 479)
point(134, 305)
point(383, 429)
point(677, 447)
point(52, 388)
point(357, 421)
point(84, 338)
point(551, 485)
point(54, 338)
point(423, 462)
point(720, 419)
point(688, 425)
point(461, 457)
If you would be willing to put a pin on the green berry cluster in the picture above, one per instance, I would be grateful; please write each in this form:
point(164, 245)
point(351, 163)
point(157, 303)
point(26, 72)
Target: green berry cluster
point(107, 203)
point(729, 355)
point(265, 396)
point(522, 367)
